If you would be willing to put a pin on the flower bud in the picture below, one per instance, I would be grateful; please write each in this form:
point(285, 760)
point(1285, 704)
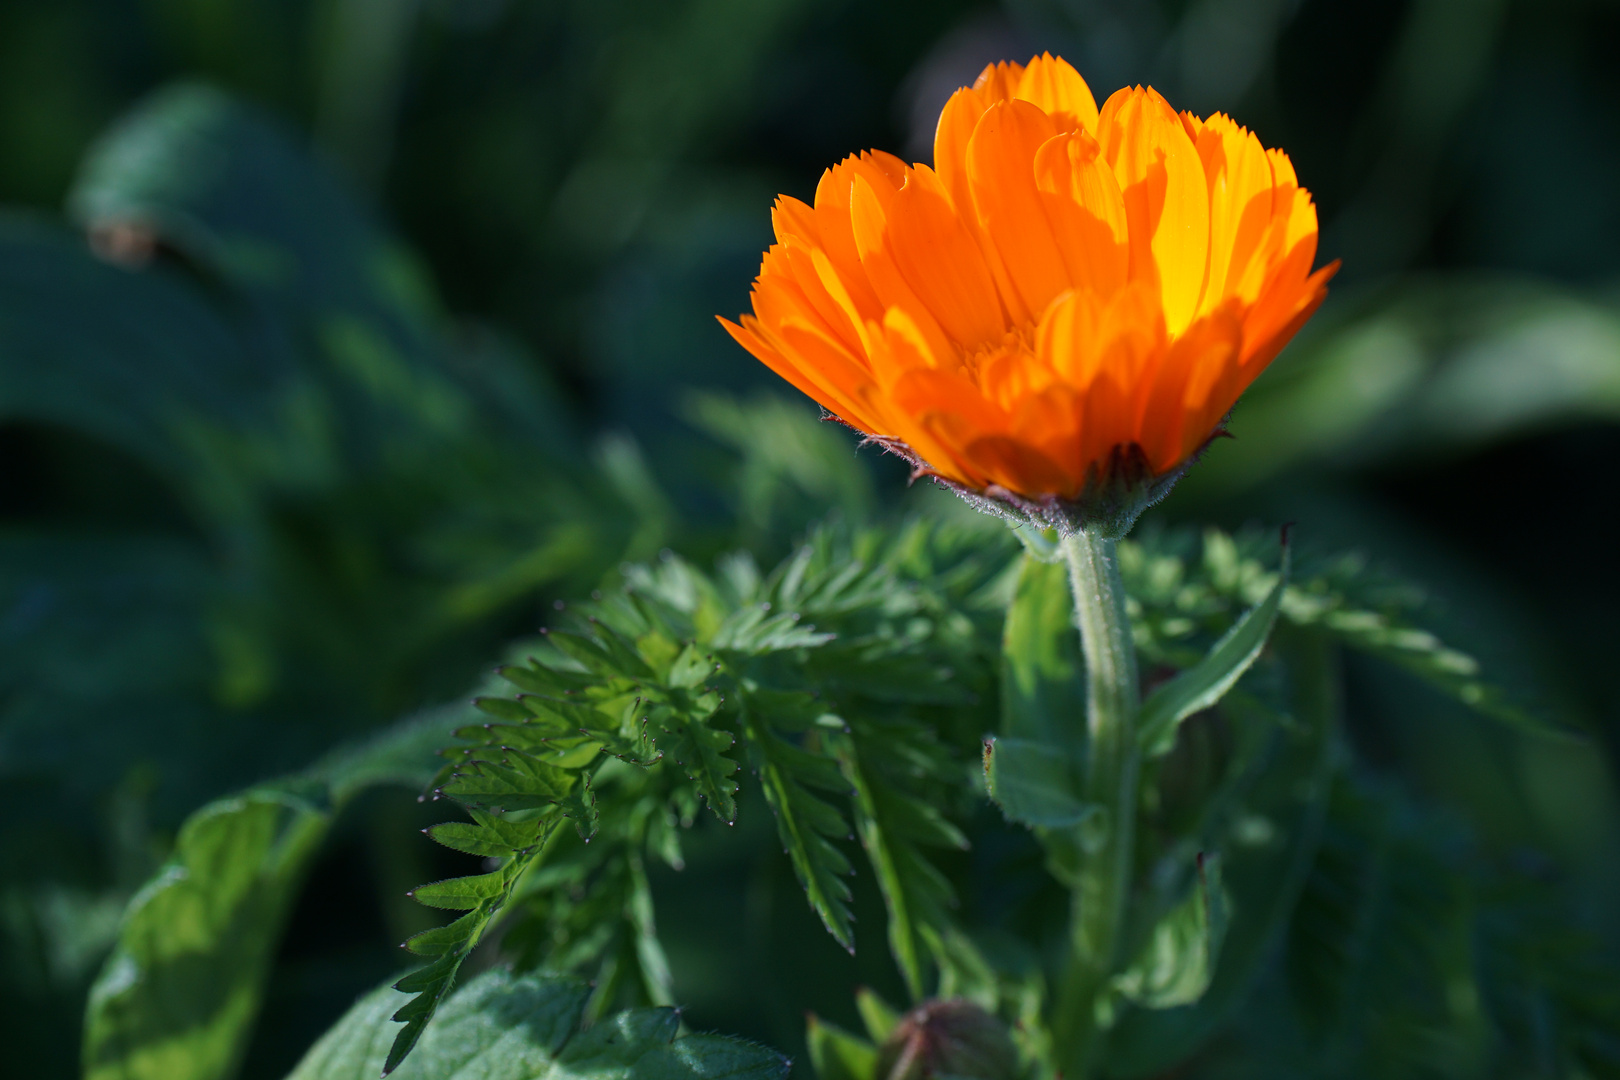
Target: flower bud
point(948, 1039)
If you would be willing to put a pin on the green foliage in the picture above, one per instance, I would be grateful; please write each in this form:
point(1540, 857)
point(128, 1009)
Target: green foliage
point(823, 668)
point(1435, 368)
point(505, 1027)
point(179, 994)
point(262, 494)
point(837, 1054)
point(1177, 964)
point(1206, 682)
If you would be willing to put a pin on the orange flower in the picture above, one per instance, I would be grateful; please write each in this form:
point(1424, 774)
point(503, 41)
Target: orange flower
point(1066, 294)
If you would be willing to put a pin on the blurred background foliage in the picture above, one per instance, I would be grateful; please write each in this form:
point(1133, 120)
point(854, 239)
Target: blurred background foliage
point(339, 338)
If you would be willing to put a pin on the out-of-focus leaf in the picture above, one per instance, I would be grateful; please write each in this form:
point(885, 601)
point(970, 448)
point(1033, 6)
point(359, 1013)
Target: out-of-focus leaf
point(1043, 682)
point(505, 1027)
point(782, 447)
point(837, 1054)
point(178, 997)
point(126, 358)
point(1178, 962)
point(1034, 784)
point(206, 175)
point(1433, 367)
point(1267, 836)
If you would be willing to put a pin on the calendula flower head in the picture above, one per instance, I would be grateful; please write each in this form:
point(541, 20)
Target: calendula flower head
point(1057, 317)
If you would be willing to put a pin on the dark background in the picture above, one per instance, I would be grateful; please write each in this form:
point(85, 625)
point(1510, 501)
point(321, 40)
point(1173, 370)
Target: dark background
point(586, 184)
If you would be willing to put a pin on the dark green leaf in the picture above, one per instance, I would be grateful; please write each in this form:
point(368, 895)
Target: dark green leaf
point(506, 1027)
point(1034, 785)
point(1043, 683)
point(177, 998)
point(1203, 684)
point(1178, 962)
point(837, 1054)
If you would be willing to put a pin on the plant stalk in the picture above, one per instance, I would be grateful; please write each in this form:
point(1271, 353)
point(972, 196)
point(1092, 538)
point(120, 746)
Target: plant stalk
point(1112, 763)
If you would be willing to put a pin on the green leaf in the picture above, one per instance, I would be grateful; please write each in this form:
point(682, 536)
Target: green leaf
point(177, 998)
point(128, 359)
point(878, 1016)
point(244, 202)
point(1178, 962)
point(683, 736)
point(1034, 784)
point(837, 1054)
point(1206, 682)
point(179, 993)
point(1268, 835)
point(892, 823)
point(501, 1026)
point(462, 893)
point(807, 824)
point(1043, 682)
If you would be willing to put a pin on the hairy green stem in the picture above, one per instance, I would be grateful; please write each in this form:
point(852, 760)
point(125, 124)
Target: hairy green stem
point(1112, 763)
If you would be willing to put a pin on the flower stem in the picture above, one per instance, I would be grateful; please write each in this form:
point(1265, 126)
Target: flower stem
point(1112, 763)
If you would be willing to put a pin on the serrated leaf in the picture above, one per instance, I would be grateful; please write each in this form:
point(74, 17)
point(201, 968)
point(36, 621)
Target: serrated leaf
point(890, 824)
point(684, 736)
point(503, 709)
point(1034, 785)
point(1206, 682)
point(488, 834)
point(600, 658)
point(690, 668)
point(804, 823)
point(447, 938)
point(580, 806)
point(753, 631)
point(462, 893)
point(521, 784)
point(501, 1026)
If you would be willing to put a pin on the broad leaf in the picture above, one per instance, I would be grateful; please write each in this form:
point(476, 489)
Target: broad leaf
point(1178, 962)
point(1034, 784)
point(502, 1026)
point(177, 998)
point(837, 1054)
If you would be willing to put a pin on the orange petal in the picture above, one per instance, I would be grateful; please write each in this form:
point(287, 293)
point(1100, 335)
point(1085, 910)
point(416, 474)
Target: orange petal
point(1240, 202)
point(956, 123)
point(1058, 90)
point(999, 82)
point(1001, 176)
point(1166, 197)
point(1200, 366)
point(937, 257)
point(869, 222)
point(1086, 211)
